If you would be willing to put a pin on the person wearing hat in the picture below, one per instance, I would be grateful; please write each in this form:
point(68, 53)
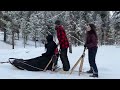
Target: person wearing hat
point(38, 63)
point(64, 44)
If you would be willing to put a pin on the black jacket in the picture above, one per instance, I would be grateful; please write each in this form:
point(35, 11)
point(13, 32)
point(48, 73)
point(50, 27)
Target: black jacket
point(50, 46)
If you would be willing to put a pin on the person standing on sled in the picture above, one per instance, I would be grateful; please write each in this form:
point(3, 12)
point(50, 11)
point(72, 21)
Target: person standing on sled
point(38, 63)
point(64, 44)
point(91, 44)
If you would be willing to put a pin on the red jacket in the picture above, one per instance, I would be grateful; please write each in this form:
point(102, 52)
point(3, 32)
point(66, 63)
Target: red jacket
point(61, 35)
point(91, 41)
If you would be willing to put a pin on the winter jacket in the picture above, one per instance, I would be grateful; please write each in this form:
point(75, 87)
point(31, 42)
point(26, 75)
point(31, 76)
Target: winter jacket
point(61, 35)
point(91, 40)
point(50, 46)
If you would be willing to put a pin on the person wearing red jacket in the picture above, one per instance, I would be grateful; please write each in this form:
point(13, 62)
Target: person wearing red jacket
point(91, 44)
point(64, 44)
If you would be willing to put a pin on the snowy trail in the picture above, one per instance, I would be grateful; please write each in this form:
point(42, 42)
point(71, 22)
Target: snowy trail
point(107, 59)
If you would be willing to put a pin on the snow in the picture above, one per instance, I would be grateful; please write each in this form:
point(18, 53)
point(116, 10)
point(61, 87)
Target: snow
point(107, 60)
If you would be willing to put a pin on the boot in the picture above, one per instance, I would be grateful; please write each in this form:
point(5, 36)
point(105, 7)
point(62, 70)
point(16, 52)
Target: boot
point(90, 71)
point(94, 75)
point(56, 68)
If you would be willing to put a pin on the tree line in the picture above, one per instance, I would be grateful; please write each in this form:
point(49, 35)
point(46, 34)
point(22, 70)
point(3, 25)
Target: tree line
point(35, 25)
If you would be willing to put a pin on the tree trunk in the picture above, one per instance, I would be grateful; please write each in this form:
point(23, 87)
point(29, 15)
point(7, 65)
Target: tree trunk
point(12, 39)
point(24, 40)
point(70, 48)
point(18, 35)
point(102, 36)
point(5, 35)
point(35, 39)
point(70, 45)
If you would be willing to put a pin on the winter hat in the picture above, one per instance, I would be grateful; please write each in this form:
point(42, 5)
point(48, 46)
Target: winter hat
point(58, 22)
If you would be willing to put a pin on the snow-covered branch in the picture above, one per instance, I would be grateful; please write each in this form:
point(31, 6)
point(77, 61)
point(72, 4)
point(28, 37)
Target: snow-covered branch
point(76, 39)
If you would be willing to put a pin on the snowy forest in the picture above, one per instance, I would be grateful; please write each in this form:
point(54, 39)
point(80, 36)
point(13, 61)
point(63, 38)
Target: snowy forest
point(35, 25)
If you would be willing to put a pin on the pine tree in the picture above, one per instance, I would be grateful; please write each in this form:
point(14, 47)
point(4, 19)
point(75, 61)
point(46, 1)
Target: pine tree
point(116, 26)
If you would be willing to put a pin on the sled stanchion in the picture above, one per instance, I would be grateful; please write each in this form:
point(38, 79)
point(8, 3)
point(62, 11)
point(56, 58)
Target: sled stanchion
point(48, 64)
point(81, 59)
point(81, 64)
point(53, 59)
point(53, 66)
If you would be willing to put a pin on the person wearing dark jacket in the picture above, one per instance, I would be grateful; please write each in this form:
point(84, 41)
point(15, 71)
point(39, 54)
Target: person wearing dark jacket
point(91, 45)
point(64, 44)
point(38, 63)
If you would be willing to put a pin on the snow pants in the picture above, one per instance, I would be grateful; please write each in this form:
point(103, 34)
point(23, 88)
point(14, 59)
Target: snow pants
point(91, 56)
point(64, 59)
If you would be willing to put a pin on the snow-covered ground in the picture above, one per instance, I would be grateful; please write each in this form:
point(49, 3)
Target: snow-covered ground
point(107, 59)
